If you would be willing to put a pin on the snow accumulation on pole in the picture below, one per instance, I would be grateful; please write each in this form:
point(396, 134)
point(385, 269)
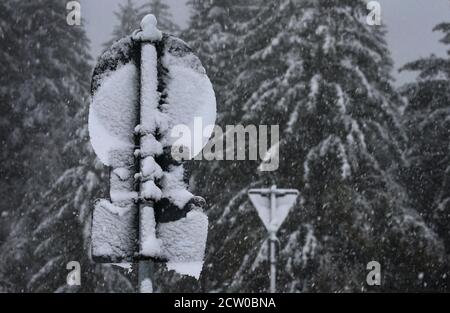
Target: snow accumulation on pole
point(147, 129)
point(142, 88)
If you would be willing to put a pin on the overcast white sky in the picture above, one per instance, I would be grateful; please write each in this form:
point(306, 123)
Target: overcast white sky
point(409, 24)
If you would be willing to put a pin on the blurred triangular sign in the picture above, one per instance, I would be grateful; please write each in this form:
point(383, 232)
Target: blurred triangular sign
point(261, 203)
point(284, 201)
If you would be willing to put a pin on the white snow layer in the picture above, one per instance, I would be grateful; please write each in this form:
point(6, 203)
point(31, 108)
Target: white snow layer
point(150, 245)
point(126, 266)
point(146, 286)
point(151, 191)
point(151, 117)
point(113, 235)
point(150, 169)
point(122, 196)
point(186, 268)
point(112, 114)
point(113, 208)
point(184, 242)
point(149, 31)
point(190, 95)
point(150, 146)
point(122, 173)
point(174, 188)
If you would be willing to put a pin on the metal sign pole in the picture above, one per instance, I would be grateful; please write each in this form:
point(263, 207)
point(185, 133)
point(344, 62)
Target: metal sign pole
point(145, 276)
point(273, 206)
point(272, 239)
point(145, 267)
point(145, 271)
point(136, 148)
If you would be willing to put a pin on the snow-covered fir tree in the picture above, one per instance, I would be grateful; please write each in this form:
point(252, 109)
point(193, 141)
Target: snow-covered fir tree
point(10, 168)
point(427, 121)
point(58, 179)
point(161, 10)
point(128, 16)
point(212, 33)
point(215, 32)
point(320, 72)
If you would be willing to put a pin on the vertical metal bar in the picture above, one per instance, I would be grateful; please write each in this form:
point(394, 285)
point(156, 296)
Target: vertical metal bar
point(149, 37)
point(145, 276)
point(145, 267)
point(272, 238)
point(273, 270)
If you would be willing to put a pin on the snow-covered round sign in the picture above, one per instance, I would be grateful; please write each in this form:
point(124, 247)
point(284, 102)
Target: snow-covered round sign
point(144, 88)
point(187, 94)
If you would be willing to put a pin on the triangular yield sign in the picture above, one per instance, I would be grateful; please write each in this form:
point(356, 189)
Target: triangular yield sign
point(285, 200)
point(261, 203)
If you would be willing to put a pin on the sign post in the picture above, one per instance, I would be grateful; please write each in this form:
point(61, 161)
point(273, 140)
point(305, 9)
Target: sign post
point(273, 206)
point(143, 87)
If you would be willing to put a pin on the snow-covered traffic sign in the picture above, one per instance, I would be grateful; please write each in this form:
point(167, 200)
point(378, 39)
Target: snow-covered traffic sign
point(273, 206)
point(273, 214)
point(143, 87)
